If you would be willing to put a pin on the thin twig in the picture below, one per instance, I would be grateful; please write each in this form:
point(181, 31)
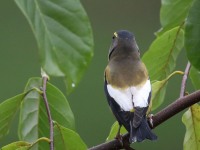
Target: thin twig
point(45, 79)
point(184, 80)
point(168, 112)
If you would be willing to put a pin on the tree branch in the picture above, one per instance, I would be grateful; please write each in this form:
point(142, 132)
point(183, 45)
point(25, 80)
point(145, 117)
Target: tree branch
point(45, 79)
point(184, 80)
point(168, 112)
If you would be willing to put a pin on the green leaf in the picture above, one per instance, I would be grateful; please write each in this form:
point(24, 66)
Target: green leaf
point(161, 57)
point(159, 90)
point(63, 34)
point(192, 34)
point(191, 119)
point(195, 77)
point(158, 93)
point(8, 109)
point(33, 118)
point(66, 139)
point(114, 130)
point(20, 145)
point(173, 13)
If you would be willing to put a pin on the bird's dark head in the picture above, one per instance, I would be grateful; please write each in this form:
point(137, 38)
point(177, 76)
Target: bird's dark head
point(123, 43)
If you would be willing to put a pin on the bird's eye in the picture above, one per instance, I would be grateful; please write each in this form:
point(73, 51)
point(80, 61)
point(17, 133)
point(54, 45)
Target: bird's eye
point(113, 37)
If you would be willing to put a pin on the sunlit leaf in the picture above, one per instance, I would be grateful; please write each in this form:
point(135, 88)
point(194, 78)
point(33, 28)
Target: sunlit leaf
point(33, 117)
point(191, 119)
point(114, 130)
point(195, 77)
point(66, 139)
point(173, 13)
point(20, 145)
point(161, 57)
point(192, 34)
point(8, 109)
point(159, 89)
point(63, 34)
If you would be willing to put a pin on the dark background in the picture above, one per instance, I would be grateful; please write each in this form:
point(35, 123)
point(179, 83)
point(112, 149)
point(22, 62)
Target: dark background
point(19, 61)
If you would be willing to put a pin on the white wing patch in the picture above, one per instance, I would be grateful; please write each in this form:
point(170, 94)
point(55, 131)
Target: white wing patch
point(122, 97)
point(132, 96)
point(141, 94)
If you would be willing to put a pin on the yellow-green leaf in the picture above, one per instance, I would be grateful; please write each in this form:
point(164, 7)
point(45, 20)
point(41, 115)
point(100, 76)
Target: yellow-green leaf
point(191, 119)
point(66, 139)
point(161, 57)
point(159, 89)
point(114, 130)
point(20, 145)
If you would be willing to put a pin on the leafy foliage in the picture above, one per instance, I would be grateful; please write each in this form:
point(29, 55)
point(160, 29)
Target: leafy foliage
point(192, 34)
point(114, 130)
point(191, 119)
point(173, 13)
point(159, 89)
point(64, 37)
point(20, 145)
point(160, 60)
point(195, 78)
point(161, 57)
point(67, 139)
point(33, 118)
point(192, 43)
point(8, 110)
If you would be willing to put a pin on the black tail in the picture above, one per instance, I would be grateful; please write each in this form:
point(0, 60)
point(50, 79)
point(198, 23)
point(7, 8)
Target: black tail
point(141, 133)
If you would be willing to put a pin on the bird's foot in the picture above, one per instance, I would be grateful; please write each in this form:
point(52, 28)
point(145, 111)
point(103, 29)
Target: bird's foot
point(119, 138)
point(125, 144)
point(151, 119)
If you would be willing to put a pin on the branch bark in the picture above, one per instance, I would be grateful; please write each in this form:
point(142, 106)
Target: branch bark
point(45, 79)
point(184, 80)
point(168, 112)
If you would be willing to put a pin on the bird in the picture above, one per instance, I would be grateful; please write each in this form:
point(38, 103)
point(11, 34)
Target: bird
point(127, 87)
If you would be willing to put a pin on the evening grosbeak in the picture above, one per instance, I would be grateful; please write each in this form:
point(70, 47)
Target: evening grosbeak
point(127, 87)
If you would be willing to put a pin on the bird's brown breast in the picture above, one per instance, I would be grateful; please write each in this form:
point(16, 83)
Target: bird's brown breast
point(125, 74)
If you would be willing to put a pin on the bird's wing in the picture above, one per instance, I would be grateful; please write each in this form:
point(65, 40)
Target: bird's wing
point(133, 98)
point(123, 97)
point(141, 100)
point(141, 94)
point(123, 117)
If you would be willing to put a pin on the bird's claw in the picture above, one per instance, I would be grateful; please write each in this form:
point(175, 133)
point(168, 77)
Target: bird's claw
point(151, 119)
point(119, 138)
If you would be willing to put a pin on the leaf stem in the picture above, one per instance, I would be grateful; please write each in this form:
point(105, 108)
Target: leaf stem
point(45, 79)
point(168, 112)
point(184, 80)
point(175, 72)
point(41, 139)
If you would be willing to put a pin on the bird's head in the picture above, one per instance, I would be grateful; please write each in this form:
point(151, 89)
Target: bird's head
point(123, 43)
